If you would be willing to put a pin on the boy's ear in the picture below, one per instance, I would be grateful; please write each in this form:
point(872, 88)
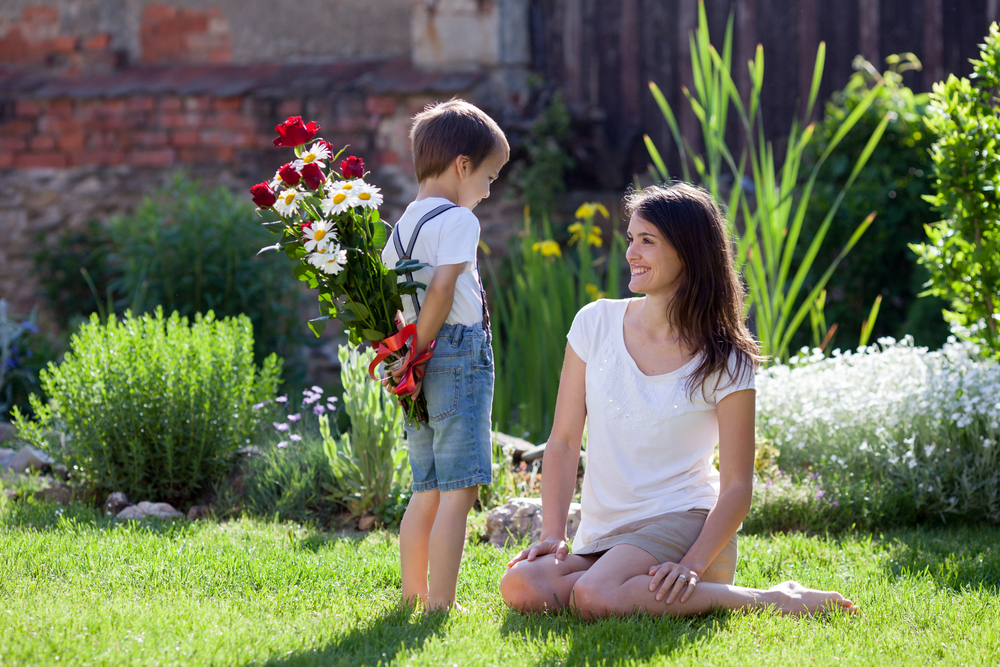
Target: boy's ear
point(463, 166)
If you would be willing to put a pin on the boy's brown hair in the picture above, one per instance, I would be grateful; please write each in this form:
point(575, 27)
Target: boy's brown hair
point(444, 131)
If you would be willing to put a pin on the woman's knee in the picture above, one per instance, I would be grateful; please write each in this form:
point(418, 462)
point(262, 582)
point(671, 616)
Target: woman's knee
point(592, 598)
point(531, 587)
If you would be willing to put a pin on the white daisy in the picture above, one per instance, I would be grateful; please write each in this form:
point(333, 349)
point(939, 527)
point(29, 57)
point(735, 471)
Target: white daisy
point(341, 195)
point(288, 202)
point(318, 236)
point(368, 195)
point(331, 262)
point(315, 153)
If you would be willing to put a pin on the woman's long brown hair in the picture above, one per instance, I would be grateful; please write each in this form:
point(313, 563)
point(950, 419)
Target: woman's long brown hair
point(707, 308)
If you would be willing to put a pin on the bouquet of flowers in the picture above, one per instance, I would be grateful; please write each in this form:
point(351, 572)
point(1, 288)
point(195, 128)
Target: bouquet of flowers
point(330, 228)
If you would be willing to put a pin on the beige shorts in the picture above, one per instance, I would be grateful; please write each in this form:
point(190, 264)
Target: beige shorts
point(667, 537)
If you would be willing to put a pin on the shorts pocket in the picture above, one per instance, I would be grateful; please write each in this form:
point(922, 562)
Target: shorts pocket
point(441, 387)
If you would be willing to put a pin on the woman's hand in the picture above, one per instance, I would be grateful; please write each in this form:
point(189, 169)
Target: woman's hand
point(672, 579)
point(550, 545)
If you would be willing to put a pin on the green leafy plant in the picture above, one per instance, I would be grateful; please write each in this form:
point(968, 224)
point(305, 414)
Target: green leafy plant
point(541, 177)
point(772, 216)
point(210, 266)
point(533, 316)
point(369, 462)
point(151, 405)
point(962, 251)
point(892, 183)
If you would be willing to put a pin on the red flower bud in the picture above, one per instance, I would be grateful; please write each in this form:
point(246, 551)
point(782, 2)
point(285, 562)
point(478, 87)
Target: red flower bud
point(293, 132)
point(312, 175)
point(288, 174)
point(263, 195)
point(352, 167)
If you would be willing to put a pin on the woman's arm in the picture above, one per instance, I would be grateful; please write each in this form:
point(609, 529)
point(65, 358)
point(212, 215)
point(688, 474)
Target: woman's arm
point(561, 459)
point(736, 453)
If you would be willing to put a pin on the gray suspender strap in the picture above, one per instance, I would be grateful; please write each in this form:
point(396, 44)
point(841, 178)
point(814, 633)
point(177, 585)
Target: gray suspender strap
point(404, 255)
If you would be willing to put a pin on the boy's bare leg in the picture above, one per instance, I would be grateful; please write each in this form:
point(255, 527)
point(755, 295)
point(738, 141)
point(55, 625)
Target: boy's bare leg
point(414, 539)
point(618, 584)
point(446, 545)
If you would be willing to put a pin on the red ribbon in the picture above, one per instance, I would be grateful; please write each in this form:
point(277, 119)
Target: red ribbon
point(412, 373)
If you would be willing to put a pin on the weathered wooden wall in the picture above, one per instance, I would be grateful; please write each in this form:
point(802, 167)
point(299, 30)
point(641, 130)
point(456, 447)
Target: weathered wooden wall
point(602, 53)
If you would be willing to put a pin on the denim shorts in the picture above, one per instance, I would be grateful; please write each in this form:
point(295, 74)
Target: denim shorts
point(455, 450)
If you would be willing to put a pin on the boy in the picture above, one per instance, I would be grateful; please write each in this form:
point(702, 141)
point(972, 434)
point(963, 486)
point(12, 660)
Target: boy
point(457, 151)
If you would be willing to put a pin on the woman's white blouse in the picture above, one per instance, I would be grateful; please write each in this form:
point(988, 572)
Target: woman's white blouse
point(649, 444)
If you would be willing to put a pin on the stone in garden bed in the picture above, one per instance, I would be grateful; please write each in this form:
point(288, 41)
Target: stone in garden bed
point(522, 517)
point(147, 510)
point(31, 458)
point(6, 458)
point(115, 503)
point(517, 446)
point(7, 431)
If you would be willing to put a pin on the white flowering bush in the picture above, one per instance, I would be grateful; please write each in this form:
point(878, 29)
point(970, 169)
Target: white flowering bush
point(890, 433)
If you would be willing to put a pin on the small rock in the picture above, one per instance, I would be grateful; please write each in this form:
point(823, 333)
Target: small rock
point(522, 517)
point(6, 457)
point(7, 431)
point(115, 503)
point(30, 457)
point(160, 510)
point(367, 522)
point(56, 493)
point(131, 513)
point(12, 495)
point(199, 512)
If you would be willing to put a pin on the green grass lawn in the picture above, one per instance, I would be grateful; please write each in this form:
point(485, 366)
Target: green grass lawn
point(77, 589)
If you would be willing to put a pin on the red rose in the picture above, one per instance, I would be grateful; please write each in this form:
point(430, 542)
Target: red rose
point(293, 132)
point(263, 195)
point(306, 225)
point(312, 175)
point(352, 167)
point(288, 174)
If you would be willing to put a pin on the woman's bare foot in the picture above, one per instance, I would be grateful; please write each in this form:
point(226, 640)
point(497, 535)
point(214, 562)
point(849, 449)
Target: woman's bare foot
point(791, 597)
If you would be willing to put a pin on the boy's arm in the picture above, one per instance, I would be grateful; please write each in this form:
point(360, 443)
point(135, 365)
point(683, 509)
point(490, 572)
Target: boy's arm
point(437, 303)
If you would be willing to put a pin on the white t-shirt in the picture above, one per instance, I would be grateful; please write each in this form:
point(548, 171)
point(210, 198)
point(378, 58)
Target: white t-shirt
point(649, 444)
point(451, 237)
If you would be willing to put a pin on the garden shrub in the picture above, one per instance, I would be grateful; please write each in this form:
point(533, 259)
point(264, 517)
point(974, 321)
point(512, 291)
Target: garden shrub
point(153, 406)
point(891, 434)
point(213, 239)
point(369, 463)
point(893, 184)
point(962, 251)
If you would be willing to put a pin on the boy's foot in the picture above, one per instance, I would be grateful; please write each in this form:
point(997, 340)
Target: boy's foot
point(446, 609)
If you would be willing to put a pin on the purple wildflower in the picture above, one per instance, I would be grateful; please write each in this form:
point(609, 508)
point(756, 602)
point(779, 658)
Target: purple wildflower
point(282, 399)
point(282, 444)
point(281, 426)
point(294, 418)
point(819, 494)
point(295, 437)
point(318, 409)
point(318, 390)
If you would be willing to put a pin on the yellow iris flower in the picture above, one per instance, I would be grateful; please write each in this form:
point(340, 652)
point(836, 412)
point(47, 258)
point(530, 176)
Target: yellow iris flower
point(576, 235)
point(548, 248)
point(591, 208)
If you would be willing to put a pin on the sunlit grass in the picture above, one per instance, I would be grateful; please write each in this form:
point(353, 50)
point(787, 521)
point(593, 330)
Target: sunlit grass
point(77, 589)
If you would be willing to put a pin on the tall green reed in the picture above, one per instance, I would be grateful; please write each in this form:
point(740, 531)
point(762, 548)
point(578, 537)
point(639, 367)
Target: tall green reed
point(534, 314)
point(771, 215)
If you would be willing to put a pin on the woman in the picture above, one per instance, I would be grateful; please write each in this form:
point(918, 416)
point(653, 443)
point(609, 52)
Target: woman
point(660, 380)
